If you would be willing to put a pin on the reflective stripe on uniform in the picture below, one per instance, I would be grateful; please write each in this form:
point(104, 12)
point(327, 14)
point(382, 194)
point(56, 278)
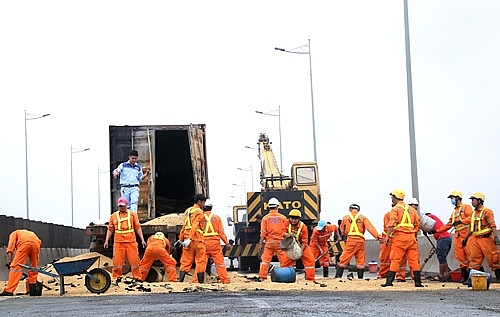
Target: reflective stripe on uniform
point(129, 223)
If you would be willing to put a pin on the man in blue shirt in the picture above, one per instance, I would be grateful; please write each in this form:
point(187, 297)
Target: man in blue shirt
point(130, 176)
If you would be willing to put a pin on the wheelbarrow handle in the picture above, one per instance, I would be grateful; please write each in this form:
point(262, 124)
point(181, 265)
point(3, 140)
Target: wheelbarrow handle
point(38, 270)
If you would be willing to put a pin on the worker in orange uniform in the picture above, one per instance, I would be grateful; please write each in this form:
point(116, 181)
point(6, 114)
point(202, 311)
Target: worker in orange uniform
point(298, 230)
point(271, 234)
point(385, 255)
point(320, 236)
point(354, 226)
point(27, 246)
point(214, 232)
point(191, 235)
point(404, 224)
point(158, 248)
point(460, 220)
point(484, 230)
point(124, 224)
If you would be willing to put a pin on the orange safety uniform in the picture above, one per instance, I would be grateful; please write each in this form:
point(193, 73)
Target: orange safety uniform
point(195, 251)
point(354, 226)
point(27, 245)
point(124, 224)
point(271, 233)
point(319, 244)
point(214, 232)
point(301, 235)
point(483, 245)
point(385, 255)
point(406, 223)
point(463, 213)
point(158, 248)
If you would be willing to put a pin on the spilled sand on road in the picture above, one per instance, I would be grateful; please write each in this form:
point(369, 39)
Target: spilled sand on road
point(75, 285)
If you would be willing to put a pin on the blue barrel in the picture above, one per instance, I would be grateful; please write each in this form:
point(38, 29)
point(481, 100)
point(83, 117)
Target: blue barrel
point(283, 275)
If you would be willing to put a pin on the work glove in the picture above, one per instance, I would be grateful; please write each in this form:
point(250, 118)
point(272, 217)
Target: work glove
point(497, 241)
point(464, 242)
point(432, 231)
point(178, 244)
point(8, 265)
point(186, 243)
point(456, 223)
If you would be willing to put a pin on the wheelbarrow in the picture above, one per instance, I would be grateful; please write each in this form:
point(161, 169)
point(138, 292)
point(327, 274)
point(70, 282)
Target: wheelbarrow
point(97, 280)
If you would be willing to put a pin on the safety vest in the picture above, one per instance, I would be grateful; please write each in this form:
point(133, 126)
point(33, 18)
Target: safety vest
point(160, 236)
point(405, 220)
point(456, 215)
point(385, 233)
point(187, 218)
point(295, 235)
point(354, 230)
point(130, 229)
point(209, 230)
point(474, 219)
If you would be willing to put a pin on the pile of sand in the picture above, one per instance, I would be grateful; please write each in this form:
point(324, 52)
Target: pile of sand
point(170, 220)
point(75, 285)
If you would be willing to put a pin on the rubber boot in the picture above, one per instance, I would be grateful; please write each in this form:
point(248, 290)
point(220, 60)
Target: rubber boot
point(497, 275)
point(464, 275)
point(418, 279)
point(391, 275)
point(201, 277)
point(325, 271)
point(339, 272)
point(466, 282)
point(360, 273)
point(182, 275)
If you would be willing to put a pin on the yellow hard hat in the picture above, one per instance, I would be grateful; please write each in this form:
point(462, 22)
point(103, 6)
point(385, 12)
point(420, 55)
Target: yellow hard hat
point(159, 235)
point(455, 193)
point(478, 196)
point(295, 213)
point(398, 193)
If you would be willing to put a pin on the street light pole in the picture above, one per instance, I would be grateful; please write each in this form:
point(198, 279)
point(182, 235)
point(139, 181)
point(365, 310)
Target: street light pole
point(99, 172)
point(26, 155)
point(411, 118)
point(279, 124)
point(300, 50)
point(73, 151)
point(250, 169)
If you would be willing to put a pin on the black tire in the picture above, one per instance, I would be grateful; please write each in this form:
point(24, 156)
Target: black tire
point(102, 285)
point(249, 264)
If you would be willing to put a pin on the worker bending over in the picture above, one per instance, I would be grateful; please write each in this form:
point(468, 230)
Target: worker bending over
point(158, 248)
point(28, 246)
point(319, 243)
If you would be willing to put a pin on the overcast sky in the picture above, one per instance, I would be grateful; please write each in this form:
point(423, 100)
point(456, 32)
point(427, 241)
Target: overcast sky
point(91, 64)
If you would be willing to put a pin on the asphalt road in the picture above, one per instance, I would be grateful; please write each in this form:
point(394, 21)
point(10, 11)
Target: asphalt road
point(390, 303)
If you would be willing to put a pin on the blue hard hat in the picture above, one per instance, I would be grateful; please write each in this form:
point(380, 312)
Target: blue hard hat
point(321, 224)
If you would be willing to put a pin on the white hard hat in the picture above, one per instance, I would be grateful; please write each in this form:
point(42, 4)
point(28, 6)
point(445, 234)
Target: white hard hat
point(412, 201)
point(273, 202)
point(208, 203)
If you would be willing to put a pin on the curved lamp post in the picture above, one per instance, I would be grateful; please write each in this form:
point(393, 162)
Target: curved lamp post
point(26, 118)
point(306, 49)
point(73, 150)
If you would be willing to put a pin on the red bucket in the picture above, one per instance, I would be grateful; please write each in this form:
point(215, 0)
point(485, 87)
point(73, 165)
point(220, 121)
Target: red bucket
point(456, 276)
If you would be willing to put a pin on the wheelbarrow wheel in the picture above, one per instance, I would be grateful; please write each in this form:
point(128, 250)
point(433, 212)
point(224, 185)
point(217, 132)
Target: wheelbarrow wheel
point(103, 281)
